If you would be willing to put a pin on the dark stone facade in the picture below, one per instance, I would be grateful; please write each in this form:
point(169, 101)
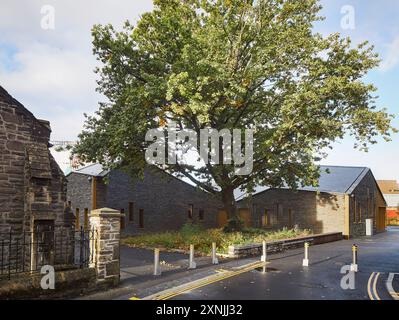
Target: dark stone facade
point(322, 212)
point(163, 200)
point(32, 186)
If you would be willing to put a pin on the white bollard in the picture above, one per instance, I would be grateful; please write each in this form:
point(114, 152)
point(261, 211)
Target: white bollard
point(192, 264)
point(264, 252)
point(157, 267)
point(305, 261)
point(214, 258)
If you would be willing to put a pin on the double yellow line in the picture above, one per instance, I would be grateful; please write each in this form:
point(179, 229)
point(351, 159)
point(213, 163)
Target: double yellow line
point(372, 286)
point(219, 276)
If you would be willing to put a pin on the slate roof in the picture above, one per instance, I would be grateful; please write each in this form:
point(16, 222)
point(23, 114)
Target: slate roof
point(94, 169)
point(392, 200)
point(333, 179)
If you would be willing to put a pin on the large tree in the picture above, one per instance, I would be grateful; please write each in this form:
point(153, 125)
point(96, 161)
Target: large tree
point(232, 64)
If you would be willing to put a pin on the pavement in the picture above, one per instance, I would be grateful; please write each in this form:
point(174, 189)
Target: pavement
point(282, 277)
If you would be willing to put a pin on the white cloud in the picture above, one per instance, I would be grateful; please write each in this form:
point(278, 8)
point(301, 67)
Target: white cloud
point(51, 71)
point(391, 59)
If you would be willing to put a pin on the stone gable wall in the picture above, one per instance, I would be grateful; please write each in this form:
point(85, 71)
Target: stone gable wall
point(32, 186)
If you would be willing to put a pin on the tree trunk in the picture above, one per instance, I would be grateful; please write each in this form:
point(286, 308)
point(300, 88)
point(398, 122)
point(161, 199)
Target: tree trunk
point(229, 202)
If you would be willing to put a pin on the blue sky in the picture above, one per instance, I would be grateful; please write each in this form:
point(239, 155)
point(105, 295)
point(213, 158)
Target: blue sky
point(50, 71)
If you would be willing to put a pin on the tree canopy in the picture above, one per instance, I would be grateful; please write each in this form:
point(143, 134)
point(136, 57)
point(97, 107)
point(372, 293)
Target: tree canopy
point(232, 64)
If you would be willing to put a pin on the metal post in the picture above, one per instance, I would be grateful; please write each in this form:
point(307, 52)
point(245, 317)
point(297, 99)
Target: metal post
point(264, 252)
point(354, 265)
point(305, 261)
point(192, 264)
point(157, 267)
point(214, 258)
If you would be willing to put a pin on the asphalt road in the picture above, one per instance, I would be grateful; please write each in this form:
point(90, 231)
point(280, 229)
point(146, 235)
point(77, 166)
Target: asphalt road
point(286, 278)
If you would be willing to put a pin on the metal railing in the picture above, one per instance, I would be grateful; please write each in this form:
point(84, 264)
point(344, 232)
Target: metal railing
point(63, 248)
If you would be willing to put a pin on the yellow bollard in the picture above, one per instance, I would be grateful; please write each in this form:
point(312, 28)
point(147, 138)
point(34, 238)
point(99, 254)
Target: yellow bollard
point(354, 265)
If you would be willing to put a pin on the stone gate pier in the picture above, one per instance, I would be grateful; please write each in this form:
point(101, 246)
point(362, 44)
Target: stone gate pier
point(106, 223)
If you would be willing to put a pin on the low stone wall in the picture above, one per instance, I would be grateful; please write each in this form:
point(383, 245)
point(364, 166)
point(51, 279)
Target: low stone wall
point(67, 283)
point(281, 245)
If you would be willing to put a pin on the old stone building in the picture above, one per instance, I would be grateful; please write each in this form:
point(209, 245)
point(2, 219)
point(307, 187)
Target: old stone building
point(344, 199)
point(390, 190)
point(159, 202)
point(32, 186)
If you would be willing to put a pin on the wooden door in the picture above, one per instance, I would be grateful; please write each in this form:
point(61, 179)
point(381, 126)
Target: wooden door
point(381, 215)
point(222, 218)
point(245, 215)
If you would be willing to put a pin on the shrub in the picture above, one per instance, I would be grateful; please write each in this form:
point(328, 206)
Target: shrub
point(189, 229)
point(234, 224)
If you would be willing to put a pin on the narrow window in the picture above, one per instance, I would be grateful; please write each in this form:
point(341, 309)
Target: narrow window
point(123, 219)
point(279, 208)
point(354, 210)
point(190, 211)
point(141, 218)
point(77, 219)
point(290, 218)
point(86, 219)
point(131, 211)
point(201, 214)
point(69, 204)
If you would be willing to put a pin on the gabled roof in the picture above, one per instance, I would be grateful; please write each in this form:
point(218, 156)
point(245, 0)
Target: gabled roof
point(392, 200)
point(333, 179)
point(8, 99)
point(388, 186)
point(95, 170)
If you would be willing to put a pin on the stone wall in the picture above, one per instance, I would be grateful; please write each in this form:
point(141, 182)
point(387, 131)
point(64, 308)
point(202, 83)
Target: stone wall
point(79, 193)
point(320, 212)
point(106, 250)
point(164, 200)
point(32, 186)
point(368, 198)
point(68, 283)
point(282, 245)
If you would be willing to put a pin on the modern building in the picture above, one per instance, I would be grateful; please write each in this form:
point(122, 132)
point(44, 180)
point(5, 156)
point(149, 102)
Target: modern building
point(32, 186)
point(390, 190)
point(158, 202)
point(344, 199)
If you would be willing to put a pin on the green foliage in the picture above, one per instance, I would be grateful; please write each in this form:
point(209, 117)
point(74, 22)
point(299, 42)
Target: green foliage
point(234, 224)
point(232, 65)
point(190, 229)
point(202, 239)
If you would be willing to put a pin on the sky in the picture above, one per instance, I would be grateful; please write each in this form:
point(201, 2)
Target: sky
point(48, 64)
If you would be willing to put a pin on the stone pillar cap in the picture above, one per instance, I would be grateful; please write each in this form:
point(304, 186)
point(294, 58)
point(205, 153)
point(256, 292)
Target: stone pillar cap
point(105, 212)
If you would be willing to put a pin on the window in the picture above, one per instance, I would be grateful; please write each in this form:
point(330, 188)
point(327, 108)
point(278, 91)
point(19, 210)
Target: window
point(265, 218)
point(354, 210)
point(86, 219)
point(190, 211)
point(131, 211)
point(69, 204)
point(77, 219)
point(201, 214)
point(123, 219)
point(141, 218)
point(279, 209)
